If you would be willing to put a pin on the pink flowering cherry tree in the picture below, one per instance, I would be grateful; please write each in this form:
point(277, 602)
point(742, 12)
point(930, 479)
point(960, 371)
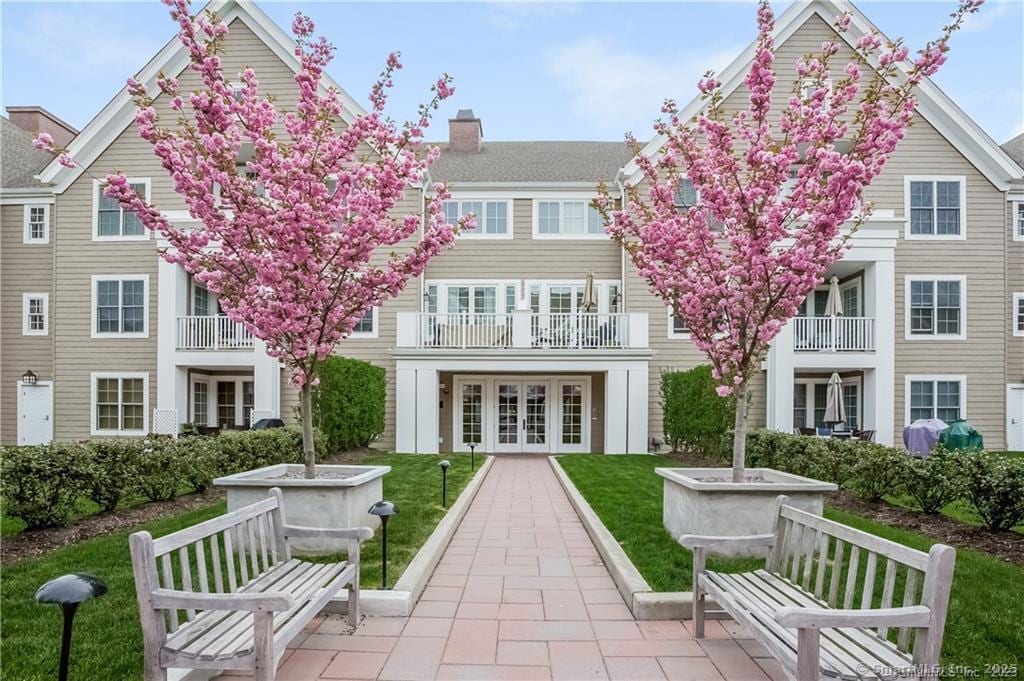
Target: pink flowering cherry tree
point(294, 241)
point(775, 189)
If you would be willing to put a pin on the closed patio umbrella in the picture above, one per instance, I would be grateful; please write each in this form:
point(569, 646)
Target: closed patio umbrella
point(834, 303)
point(589, 302)
point(835, 412)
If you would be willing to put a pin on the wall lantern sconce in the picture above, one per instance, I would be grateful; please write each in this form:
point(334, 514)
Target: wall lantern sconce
point(29, 378)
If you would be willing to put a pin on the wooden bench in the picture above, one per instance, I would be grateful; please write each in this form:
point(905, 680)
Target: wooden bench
point(242, 595)
point(815, 606)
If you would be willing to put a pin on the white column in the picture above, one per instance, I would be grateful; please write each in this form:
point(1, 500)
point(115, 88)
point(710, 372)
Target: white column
point(881, 280)
point(616, 388)
point(780, 381)
point(172, 297)
point(638, 331)
point(405, 411)
point(637, 398)
point(521, 328)
point(407, 331)
point(426, 411)
point(266, 376)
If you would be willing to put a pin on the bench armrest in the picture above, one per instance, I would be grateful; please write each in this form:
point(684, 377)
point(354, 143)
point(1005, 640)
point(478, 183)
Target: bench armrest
point(170, 599)
point(713, 544)
point(822, 618)
point(359, 534)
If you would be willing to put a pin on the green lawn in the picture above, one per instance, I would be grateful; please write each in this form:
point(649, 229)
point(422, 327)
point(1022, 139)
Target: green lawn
point(984, 625)
point(108, 641)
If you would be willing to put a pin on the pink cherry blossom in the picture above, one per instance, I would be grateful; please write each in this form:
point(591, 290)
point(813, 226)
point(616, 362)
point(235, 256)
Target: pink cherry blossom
point(779, 194)
point(43, 142)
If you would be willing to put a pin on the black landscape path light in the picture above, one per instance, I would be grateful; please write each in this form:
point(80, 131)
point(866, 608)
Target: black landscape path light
point(68, 591)
point(472, 457)
point(445, 463)
point(383, 509)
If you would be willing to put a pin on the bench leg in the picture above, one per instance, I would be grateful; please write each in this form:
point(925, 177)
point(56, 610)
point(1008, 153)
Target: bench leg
point(807, 654)
point(353, 603)
point(698, 593)
point(263, 646)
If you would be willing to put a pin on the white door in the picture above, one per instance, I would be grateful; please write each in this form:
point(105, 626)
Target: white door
point(35, 417)
point(1015, 418)
point(521, 416)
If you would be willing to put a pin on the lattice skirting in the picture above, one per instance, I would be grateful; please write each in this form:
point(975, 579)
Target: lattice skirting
point(165, 421)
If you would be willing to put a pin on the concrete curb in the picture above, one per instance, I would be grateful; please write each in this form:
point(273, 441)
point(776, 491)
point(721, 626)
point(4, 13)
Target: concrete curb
point(643, 602)
point(400, 600)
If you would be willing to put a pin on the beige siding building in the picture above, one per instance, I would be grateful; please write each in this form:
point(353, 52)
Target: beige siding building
point(534, 333)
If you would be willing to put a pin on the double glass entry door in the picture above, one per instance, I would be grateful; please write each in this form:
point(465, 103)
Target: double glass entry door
point(522, 416)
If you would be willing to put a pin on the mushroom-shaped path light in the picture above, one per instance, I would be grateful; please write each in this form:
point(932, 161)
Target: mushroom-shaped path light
point(384, 509)
point(68, 591)
point(444, 464)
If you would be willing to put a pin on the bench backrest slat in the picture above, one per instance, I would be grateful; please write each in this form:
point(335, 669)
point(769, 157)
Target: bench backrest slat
point(204, 529)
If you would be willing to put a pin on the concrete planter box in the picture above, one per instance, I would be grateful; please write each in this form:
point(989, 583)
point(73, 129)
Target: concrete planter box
point(323, 502)
point(695, 505)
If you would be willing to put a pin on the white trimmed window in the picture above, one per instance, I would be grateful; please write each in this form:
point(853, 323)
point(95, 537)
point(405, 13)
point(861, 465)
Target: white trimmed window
point(492, 217)
point(685, 195)
point(1017, 315)
point(367, 326)
point(1018, 220)
point(567, 219)
point(120, 306)
point(37, 224)
point(120, 403)
point(941, 397)
point(35, 311)
point(110, 221)
point(677, 326)
point(936, 307)
point(936, 207)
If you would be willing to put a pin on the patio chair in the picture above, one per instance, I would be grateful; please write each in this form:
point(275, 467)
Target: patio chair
point(865, 435)
point(806, 431)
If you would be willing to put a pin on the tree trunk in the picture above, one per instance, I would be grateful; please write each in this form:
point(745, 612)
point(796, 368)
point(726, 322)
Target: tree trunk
point(739, 442)
point(308, 448)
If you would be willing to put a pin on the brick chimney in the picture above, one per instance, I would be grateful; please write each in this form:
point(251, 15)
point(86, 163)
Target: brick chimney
point(36, 119)
point(465, 132)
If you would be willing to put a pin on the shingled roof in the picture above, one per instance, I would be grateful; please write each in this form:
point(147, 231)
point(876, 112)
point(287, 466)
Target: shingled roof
point(533, 162)
point(20, 160)
point(1015, 149)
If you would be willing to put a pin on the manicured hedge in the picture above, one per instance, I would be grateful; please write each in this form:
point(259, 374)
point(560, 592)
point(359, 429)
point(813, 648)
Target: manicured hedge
point(42, 484)
point(348, 404)
point(993, 484)
point(693, 415)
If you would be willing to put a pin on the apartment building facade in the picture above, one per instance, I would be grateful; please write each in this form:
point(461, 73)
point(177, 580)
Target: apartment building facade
point(534, 333)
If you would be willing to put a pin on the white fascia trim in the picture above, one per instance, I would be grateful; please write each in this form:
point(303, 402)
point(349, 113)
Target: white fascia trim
point(933, 104)
point(963, 307)
point(962, 180)
point(15, 196)
point(172, 59)
point(148, 182)
point(911, 378)
point(356, 335)
point(93, 377)
point(26, 236)
point(96, 278)
point(25, 330)
point(1015, 314)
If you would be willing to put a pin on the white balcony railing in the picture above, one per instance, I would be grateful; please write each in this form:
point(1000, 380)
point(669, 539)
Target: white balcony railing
point(212, 332)
point(834, 334)
point(523, 329)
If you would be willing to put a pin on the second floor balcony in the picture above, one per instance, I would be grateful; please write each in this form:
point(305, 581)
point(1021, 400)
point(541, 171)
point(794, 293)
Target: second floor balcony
point(834, 334)
point(212, 332)
point(522, 330)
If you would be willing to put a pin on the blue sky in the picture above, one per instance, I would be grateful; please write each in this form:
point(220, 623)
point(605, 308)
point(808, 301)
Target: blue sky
point(573, 70)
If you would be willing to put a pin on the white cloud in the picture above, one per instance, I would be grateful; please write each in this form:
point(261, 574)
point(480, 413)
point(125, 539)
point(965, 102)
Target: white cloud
point(513, 15)
point(76, 42)
point(620, 89)
point(987, 16)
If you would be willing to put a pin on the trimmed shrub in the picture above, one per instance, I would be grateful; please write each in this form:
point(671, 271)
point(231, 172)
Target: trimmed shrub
point(161, 472)
point(199, 459)
point(42, 483)
point(935, 481)
point(694, 416)
point(348, 404)
point(995, 488)
point(113, 471)
point(879, 470)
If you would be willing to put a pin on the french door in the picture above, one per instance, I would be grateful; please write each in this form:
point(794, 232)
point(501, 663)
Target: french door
point(521, 421)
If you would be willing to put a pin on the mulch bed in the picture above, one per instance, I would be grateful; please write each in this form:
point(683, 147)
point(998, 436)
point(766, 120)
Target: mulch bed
point(33, 543)
point(1007, 545)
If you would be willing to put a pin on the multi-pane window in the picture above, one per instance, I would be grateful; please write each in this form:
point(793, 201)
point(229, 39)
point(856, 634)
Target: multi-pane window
point(200, 402)
point(112, 221)
point(120, 404)
point(677, 325)
point(850, 405)
point(200, 301)
point(572, 414)
point(820, 404)
point(367, 326)
point(37, 224)
point(226, 404)
point(492, 217)
point(568, 219)
point(850, 296)
point(799, 405)
point(935, 307)
point(472, 413)
point(685, 195)
point(936, 398)
point(1018, 221)
point(120, 305)
point(1018, 314)
point(936, 207)
point(34, 314)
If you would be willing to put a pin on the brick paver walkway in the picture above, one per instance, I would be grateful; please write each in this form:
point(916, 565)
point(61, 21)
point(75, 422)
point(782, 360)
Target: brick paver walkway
point(521, 593)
